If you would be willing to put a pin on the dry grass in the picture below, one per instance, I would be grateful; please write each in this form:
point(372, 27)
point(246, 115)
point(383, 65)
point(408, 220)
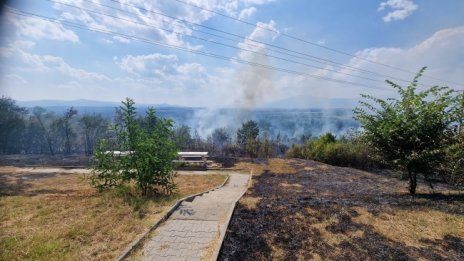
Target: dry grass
point(250, 202)
point(281, 166)
point(411, 227)
point(54, 216)
point(255, 168)
point(274, 165)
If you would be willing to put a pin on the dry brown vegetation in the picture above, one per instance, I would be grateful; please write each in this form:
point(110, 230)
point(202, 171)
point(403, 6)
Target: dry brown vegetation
point(58, 216)
point(321, 212)
point(258, 167)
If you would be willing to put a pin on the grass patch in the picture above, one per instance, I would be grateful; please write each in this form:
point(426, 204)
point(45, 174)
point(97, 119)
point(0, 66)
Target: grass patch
point(274, 165)
point(60, 217)
point(413, 226)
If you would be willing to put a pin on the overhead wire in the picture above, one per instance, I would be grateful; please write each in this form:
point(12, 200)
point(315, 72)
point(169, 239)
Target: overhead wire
point(213, 55)
point(312, 43)
point(217, 43)
point(325, 61)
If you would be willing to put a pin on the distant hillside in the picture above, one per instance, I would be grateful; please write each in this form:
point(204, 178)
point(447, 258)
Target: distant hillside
point(80, 103)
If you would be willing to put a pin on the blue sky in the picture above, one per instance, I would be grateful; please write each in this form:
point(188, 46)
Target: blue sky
point(40, 59)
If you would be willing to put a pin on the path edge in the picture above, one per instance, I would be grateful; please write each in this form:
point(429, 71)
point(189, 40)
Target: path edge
point(135, 243)
point(215, 255)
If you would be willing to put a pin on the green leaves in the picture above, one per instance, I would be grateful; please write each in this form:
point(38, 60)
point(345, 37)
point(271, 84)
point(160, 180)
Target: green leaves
point(149, 153)
point(246, 137)
point(411, 133)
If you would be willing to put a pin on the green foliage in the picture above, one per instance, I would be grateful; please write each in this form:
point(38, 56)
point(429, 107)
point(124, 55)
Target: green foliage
point(63, 129)
point(248, 132)
point(106, 170)
point(452, 168)
point(94, 126)
point(182, 137)
point(347, 152)
point(44, 120)
point(246, 137)
point(411, 132)
point(147, 153)
point(12, 125)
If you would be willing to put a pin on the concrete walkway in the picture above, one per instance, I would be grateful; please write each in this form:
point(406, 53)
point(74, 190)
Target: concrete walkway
point(192, 232)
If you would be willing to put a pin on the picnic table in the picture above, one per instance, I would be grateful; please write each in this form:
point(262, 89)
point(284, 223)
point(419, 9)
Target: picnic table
point(192, 157)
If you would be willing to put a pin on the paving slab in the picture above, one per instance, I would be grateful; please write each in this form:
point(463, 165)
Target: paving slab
point(192, 232)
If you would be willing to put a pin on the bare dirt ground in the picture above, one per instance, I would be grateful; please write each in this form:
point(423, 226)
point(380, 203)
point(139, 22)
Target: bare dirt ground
point(305, 210)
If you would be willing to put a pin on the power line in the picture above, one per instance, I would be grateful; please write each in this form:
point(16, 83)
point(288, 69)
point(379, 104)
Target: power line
point(213, 55)
point(217, 43)
point(326, 61)
point(309, 42)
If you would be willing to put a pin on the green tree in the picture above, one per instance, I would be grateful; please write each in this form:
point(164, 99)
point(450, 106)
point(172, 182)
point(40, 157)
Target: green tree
point(12, 124)
point(412, 132)
point(147, 153)
point(44, 120)
point(220, 137)
point(246, 137)
point(63, 127)
point(182, 137)
point(248, 131)
point(93, 127)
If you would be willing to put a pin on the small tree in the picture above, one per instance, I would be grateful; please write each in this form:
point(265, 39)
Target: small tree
point(149, 152)
point(182, 137)
point(412, 132)
point(42, 118)
point(220, 137)
point(93, 127)
point(65, 125)
point(12, 124)
point(246, 137)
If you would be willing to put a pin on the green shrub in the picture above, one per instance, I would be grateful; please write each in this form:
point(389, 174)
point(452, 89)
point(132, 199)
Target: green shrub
point(149, 152)
point(347, 152)
point(452, 168)
point(413, 131)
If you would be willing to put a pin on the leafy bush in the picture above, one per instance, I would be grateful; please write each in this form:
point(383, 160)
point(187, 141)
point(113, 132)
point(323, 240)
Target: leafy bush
point(106, 168)
point(347, 152)
point(412, 133)
point(452, 167)
point(149, 152)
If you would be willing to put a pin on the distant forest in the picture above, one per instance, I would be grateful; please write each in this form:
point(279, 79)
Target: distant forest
point(67, 129)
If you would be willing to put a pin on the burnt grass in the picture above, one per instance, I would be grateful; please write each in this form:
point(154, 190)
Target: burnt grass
point(280, 220)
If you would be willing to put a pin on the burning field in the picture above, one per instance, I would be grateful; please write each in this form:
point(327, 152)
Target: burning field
point(302, 210)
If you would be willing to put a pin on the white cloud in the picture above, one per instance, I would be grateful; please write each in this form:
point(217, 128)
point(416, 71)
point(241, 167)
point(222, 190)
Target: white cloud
point(121, 39)
point(257, 2)
point(247, 12)
point(13, 78)
point(441, 52)
point(22, 44)
point(49, 63)
point(147, 65)
point(41, 29)
point(133, 20)
point(400, 9)
point(259, 34)
point(190, 69)
point(164, 70)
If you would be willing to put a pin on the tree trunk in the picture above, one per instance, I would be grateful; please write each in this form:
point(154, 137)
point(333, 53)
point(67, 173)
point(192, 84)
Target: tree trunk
point(412, 182)
point(68, 142)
